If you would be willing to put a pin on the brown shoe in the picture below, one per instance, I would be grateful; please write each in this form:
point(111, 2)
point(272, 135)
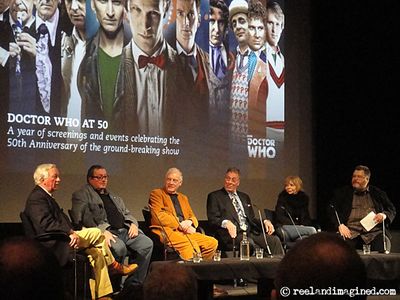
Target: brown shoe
point(120, 269)
point(219, 292)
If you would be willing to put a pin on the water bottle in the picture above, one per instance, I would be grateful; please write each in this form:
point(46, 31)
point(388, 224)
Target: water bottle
point(244, 248)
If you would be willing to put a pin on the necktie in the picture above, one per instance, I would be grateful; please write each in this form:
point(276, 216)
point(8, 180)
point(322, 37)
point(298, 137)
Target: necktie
point(17, 29)
point(43, 67)
point(242, 57)
point(159, 61)
point(177, 206)
point(189, 67)
point(219, 66)
point(242, 216)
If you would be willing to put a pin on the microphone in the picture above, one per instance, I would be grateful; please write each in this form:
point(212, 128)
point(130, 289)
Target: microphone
point(337, 217)
point(179, 225)
point(291, 219)
point(165, 233)
point(263, 229)
point(386, 251)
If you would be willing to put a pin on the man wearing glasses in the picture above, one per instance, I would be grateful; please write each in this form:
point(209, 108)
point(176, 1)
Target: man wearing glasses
point(95, 206)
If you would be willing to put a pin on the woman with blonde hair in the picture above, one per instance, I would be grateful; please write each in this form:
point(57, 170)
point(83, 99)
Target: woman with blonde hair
point(292, 207)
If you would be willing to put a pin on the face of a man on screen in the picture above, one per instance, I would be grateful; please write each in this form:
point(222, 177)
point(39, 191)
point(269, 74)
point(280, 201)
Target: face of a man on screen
point(46, 8)
point(216, 26)
point(21, 9)
point(110, 14)
point(231, 182)
point(173, 181)
point(187, 22)
point(76, 10)
point(274, 28)
point(52, 181)
point(256, 37)
point(99, 179)
point(240, 26)
point(359, 180)
point(145, 17)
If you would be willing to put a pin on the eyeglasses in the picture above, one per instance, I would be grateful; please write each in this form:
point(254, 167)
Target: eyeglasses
point(101, 177)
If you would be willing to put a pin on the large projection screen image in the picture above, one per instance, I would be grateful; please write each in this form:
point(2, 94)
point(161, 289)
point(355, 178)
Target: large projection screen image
point(141, 86)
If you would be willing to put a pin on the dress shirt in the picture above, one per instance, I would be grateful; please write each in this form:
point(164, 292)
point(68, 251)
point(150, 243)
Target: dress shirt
point(193, 65)
point(151, 89)
point(77, 54)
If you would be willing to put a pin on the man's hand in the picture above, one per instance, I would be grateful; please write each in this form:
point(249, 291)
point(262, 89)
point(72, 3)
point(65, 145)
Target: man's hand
point(185, 224)
point(133, 231)
point(27, 43)
point(14, 50)
point(74, 243)
point(109, 237)
point(231, 229)
point(191, 230)
point(379, 217)
point(344, 231)
point(269, 227)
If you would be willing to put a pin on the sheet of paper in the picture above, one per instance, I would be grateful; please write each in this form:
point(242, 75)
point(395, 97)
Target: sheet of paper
point(368, 221)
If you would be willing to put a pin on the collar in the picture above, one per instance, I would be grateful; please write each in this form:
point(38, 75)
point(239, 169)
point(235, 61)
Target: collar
point(46, 191)
point(180, 50)
point(271, 50)
point(244, 52)
point(51, 25)
point(136, 51)
point(361, 193)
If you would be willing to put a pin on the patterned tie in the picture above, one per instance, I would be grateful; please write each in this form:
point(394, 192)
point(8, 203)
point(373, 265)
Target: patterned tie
point(219, 66)
point(43, 67)
point(242, 216)
point(17, 29)
point(159, 61)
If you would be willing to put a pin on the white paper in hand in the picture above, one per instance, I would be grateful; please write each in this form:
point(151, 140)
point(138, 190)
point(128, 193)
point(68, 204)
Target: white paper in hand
point(368, 221)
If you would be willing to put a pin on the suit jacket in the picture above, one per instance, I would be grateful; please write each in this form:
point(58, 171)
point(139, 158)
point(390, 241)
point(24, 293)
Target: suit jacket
point(163, 212)
point(220, 207)
point(90, 88)
point(258, 91)
point(88, 209)
point(343, 199)
point(25, 83)
point(169, 114)
point(47, 216)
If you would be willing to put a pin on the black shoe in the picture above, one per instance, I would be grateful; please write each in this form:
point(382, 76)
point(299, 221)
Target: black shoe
point(242, 282)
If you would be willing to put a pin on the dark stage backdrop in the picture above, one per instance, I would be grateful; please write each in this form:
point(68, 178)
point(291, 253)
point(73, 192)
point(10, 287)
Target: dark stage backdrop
point(196, 139)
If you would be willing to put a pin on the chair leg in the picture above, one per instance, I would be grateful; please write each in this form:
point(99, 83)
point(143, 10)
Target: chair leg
point(75, 277)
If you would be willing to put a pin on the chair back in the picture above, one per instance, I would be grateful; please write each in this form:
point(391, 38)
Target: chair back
point(27, 225)
point(147, 216)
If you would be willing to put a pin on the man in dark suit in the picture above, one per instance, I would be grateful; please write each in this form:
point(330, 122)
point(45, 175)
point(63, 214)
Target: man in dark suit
point(48, 56)
point(18, 31)
point(47, 216)
point(231, 213)
point(94, 205)
point(355, 202)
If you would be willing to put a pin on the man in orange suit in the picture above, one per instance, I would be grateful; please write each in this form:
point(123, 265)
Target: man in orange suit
point(171, 211)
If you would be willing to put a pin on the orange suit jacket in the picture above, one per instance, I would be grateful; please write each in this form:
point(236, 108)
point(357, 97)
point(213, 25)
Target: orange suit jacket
point(163, 211)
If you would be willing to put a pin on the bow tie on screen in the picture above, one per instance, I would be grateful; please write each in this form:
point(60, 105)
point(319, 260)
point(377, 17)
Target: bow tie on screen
point(159, 61)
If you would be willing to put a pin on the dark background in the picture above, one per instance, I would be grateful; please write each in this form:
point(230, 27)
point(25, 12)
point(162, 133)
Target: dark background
point(355, 63)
